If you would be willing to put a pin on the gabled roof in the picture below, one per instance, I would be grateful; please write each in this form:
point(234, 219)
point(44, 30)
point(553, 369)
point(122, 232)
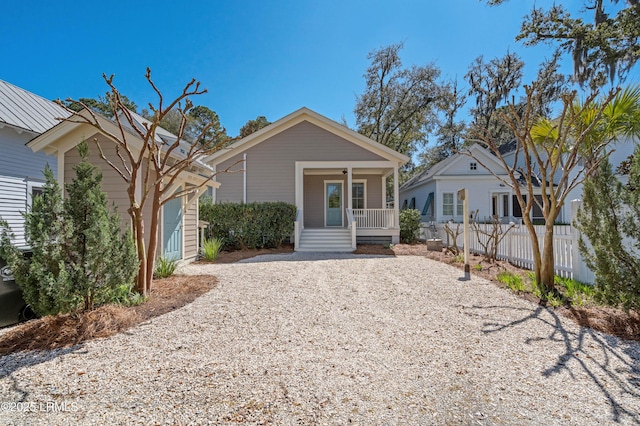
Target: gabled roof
point(26, 111)
point(439, 168)
point(296, 117)
point(163, 134)
point(49, 140)
point(508, 147)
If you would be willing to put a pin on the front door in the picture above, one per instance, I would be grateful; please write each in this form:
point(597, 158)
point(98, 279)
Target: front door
point(172, 229)
point(333, 203)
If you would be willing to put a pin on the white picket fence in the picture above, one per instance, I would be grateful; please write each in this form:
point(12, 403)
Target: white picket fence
point(516, 248)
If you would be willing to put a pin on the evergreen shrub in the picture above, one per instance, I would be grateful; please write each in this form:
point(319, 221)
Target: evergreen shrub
point(248, 226)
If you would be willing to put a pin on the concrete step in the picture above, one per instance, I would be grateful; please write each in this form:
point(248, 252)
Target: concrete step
point(325, 240)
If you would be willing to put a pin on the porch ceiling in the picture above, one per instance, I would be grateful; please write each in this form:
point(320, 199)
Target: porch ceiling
point(354, 170)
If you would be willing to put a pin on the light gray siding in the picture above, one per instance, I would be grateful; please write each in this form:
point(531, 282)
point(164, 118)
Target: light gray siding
point(314, 196)
point(190, 232)
point(421, 193)
point(374, 190)
point(18, 167)
point(270, 166)
point(112, 184)
point(13, 202)
point(231, 184)
point(116, 189)
point(18, 160)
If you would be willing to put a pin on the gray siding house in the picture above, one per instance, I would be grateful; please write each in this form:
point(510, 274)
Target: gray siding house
point(23, 116)
point(336, 177)
point(178, 229)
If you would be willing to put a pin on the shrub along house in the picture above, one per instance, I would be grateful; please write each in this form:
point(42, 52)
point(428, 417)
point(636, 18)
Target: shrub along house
point(336, 178)
point(178, 229)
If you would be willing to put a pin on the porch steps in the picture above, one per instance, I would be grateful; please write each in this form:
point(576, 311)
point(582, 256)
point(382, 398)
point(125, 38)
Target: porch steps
point(325, 240)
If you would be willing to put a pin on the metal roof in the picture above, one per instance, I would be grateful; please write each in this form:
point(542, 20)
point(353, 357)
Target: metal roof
point(24, 110)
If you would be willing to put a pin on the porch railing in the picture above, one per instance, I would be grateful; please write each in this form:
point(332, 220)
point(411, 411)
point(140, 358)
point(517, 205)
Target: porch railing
point(353, 225)
point(374, 218)
point(298, 226)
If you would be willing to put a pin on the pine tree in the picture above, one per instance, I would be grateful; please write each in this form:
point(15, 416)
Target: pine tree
point(80, 258)
point(101, 259)
point(610, 220)
point(44, 277)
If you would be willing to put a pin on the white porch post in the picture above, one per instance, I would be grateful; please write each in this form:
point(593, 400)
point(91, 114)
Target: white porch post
point(61, 170)
point(299, 185)
point(244, 178)
point(298, 225)
point(396, 202)
point(349, 188)
point(384, 191)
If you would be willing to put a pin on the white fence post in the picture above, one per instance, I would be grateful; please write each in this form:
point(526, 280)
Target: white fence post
point(516, 248)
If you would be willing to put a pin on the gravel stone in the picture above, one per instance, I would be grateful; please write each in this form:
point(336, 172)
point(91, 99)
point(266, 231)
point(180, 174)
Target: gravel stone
point(335, 339)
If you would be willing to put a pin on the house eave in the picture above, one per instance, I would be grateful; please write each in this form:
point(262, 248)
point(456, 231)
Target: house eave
point(297, 117)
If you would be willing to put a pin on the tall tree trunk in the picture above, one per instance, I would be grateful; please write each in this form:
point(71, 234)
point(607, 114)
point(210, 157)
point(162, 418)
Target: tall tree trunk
point(535, 245)
point(153, 237)
point(547, 273)
point(138, 229)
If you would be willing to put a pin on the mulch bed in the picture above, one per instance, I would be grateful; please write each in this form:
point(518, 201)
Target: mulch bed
point(65, 330)
point(174, 292)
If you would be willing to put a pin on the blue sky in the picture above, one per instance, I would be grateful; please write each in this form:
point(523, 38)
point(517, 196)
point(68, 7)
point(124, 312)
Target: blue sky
point(254, 57)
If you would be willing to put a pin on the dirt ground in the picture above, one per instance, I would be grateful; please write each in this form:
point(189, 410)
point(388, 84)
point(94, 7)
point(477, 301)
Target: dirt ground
point(177, 291)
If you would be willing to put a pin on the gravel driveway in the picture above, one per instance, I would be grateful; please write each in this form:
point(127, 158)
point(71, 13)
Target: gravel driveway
point(334, 339)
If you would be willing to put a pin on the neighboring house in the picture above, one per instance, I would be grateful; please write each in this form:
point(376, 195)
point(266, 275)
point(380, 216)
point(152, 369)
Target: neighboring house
point(23, 116)
point(179, 234)
point(434, 191)
point(618, 151)
point(336, 177)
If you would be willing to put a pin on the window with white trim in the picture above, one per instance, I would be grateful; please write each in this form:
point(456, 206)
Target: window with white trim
point(358, 195)
point(34, 189)
point(459, 207)
point(473, 166)
point(447, 204)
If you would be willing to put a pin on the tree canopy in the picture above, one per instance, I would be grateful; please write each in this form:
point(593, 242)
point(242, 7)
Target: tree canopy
point(490, 85)
point(398, 106)
point(450, 132)
point(603, 50)
point(195, 120)
point(102, 105)
point(252, 126)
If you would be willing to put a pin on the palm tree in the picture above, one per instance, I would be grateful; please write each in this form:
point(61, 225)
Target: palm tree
point(565, 150)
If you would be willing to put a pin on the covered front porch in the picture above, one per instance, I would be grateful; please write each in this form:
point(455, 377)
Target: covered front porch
point(343, 203)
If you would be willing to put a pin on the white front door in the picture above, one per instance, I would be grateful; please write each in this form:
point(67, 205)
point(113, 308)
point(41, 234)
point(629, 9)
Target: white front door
point(333, 203)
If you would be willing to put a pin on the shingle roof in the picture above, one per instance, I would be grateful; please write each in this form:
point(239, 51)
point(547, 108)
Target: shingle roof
point(25, 110)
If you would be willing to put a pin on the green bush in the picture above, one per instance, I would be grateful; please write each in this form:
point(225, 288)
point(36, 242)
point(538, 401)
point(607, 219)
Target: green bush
point(211, 248)
point(409, 225)
point(80, 259)
point(609, 219)
point(248, 226)
point(165, 267)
